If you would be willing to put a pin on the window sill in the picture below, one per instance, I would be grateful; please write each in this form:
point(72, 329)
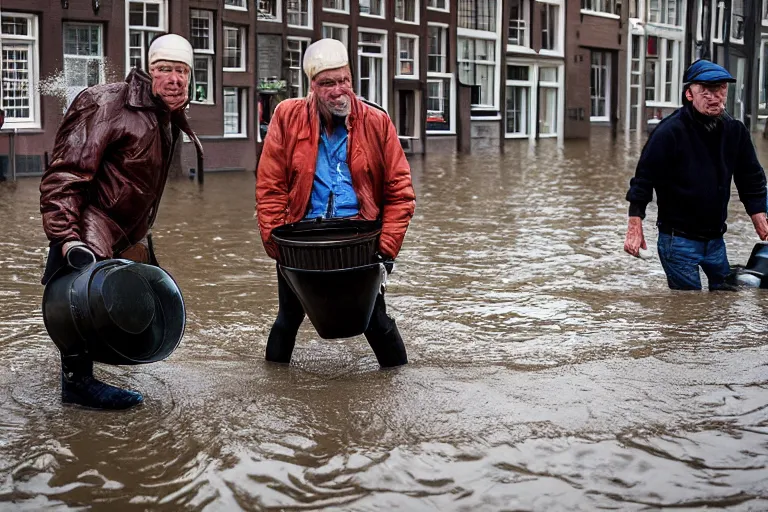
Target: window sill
point(404, 22)
point(440, 132)
point(662, 104)
point(601, 14)
point(551, 53)
point(375, 16)
point(233, 70)
point(520, 49)
point(234, 136)
point(406, 77)
point(489, 117)
point(335, 11)
point(437, 9)
point(547, 135)
point(203, 103)
point(303, 27)
point(518, 136)
point(235, 8)
point(599, 119)
point(271, 20)
point(737, 41)
point(21, 130)
point(668, 26)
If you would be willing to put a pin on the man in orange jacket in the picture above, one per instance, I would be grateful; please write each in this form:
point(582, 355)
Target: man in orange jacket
point(331, 155)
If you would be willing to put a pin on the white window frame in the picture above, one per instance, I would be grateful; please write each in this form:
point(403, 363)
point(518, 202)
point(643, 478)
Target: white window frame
point(243, 7)
point(447, 7)
point(761, 77)
point(699, 20)
point(310, 14)
point(443, 33)
point(380, 16)
point(526, 46)
point(208, 54)
point(384, 61)
point(595, 8)
point(73, 91)
point(451, 102)
point(606, 89)
point(558, 88)
point(163, 27)
point(560, 36)
point(497, 38)
point(32, 42)
point(415, 57)
point(242, 94)
point(661, 100)
point(640, 73)
point(718, 25)
point(343, 10)
point(531, 110)
point(345, 28)
point(733, 24)
point(487, 36)
point(243, 57)
point(300, 69)
point(278, 12)
point(416, 12)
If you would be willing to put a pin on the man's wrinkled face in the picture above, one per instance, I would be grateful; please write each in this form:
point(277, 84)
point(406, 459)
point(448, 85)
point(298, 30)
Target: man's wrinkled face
point(170, 82)
point(709, 99)
point(333, 89)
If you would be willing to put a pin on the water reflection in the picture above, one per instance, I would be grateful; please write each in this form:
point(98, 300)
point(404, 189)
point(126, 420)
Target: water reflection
point(549, 371)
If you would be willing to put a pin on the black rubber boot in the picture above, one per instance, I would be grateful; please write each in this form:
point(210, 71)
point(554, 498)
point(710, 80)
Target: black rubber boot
point(78, 386)
point(290, 315)
point(384, 337)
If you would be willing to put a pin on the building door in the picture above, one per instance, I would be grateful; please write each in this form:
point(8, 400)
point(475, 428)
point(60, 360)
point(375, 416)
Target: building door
point(600, 87)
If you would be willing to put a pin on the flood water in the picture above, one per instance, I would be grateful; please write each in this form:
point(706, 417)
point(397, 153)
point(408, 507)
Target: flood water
point(548, 370)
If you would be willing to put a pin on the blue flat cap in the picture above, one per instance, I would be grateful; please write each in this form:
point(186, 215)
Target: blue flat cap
point(707, 72)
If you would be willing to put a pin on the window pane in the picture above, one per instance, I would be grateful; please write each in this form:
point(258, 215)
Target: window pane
point(16, 81)
point(136, 14)
point(517, 110)
point(200, 29)
point(439, 104)
point(477, 14)
point(517, 73)
point(153, 15)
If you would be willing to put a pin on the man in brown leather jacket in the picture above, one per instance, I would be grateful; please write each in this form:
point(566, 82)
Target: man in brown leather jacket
point(100, 194)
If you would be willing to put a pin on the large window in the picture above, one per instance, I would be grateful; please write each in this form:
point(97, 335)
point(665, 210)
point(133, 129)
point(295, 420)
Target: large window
point(268, 10)
point(550, 27)
point(548, 100)
point(737, 21)
point(477, 15)
point(669, 12)
point(407, 11)
point(299, 81)
point(603, 6)
point(202, 39)
point(234, 48)
point(235, 111)
point(83, 57)
point(372, 8)
point(662, 71)
point(371, 52)
point(20, 70)
point(600, 86)
point(477, 67)
point(146, 20)
point(440, 83)
point(299, 13)
point(518, 100)
point(337, 32)
point(239, 5)
point(407, 56)
point(336, 5)
point(437, 55)
point(438, 5)
point(518, 23)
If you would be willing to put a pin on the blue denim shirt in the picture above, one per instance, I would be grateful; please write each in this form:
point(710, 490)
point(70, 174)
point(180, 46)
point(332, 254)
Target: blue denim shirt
point(332, 192)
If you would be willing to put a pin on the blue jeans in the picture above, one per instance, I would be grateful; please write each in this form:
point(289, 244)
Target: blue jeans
point(682, 257)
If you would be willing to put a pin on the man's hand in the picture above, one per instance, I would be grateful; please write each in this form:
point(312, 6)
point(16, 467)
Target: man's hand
point(635, 239)
point(761, 225)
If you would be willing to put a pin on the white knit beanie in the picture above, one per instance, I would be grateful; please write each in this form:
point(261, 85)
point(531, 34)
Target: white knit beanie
point(171, 47)
point(323, 55)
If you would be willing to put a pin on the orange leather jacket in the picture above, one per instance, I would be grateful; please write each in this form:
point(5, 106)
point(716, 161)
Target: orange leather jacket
point(381, 175)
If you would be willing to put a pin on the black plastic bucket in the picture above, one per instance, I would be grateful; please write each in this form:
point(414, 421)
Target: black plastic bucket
point(118, 311)
point(339, 303)
point(331, 244)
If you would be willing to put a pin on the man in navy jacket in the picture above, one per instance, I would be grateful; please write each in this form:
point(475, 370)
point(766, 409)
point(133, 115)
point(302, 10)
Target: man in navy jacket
point(690, 159)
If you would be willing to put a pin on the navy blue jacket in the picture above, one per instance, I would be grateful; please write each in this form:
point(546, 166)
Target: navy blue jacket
point(689, 160)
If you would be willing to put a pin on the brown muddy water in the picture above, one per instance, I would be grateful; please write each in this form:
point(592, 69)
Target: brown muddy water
point(549, 370)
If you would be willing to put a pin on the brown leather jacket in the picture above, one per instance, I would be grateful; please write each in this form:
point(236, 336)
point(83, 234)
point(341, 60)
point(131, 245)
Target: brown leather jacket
point(381, 175)
point(109, 166)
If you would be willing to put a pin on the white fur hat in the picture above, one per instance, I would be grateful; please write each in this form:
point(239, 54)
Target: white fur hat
point(171, 47)
point(323, 55)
